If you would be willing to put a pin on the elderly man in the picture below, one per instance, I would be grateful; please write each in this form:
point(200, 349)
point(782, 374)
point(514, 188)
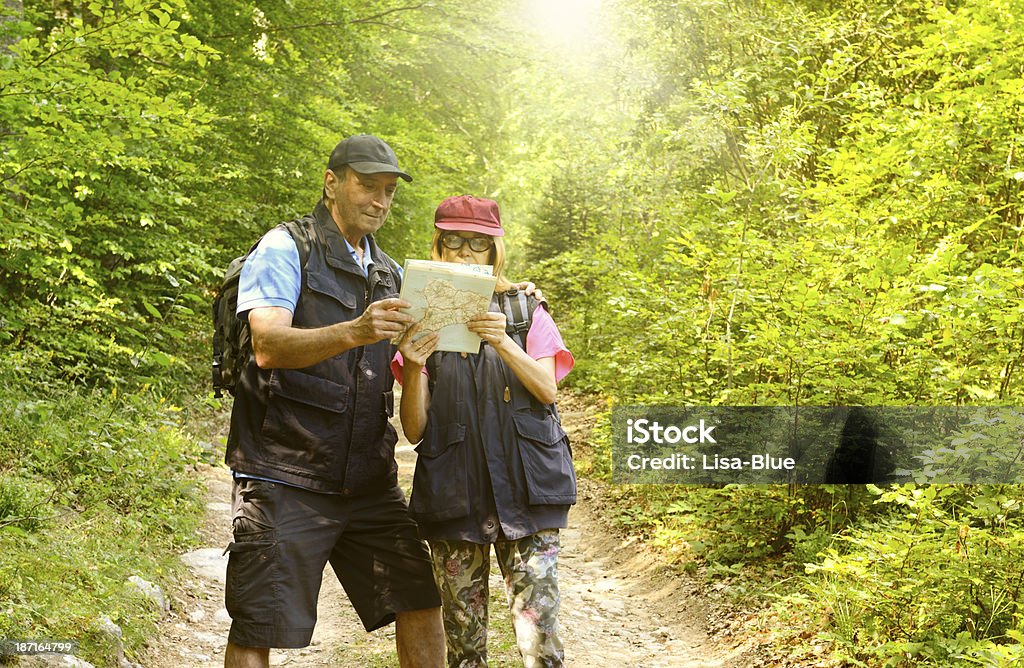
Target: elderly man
point(310, 445)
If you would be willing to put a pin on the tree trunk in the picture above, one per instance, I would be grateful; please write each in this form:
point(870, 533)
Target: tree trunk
point(14, 10)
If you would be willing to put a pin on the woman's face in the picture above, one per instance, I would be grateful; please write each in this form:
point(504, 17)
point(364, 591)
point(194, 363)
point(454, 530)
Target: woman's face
point(465, 253)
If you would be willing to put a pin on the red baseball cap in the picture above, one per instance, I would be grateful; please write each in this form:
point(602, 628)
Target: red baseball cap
point(465, 213)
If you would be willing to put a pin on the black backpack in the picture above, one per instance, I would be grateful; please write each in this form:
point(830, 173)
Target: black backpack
point(518, 310)
point(232, 342)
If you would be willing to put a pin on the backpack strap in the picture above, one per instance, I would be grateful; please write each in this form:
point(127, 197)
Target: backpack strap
point(303, 244)
point(518, 308)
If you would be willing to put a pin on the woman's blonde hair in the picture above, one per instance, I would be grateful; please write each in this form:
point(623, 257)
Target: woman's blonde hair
point(497, 258)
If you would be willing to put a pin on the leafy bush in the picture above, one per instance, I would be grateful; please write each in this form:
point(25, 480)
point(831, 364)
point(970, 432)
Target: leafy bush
point(938, 583)
point(24, 501)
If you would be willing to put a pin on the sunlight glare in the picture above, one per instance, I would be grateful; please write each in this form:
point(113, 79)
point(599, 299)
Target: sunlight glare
point(569, 22)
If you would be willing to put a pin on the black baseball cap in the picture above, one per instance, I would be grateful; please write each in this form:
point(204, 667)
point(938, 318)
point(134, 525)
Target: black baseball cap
point(366, 154)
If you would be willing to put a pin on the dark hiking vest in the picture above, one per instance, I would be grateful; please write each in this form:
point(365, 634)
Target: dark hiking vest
point(325, 427)
point(492, 456)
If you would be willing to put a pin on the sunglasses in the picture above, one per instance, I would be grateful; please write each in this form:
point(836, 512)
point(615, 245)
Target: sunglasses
point(477, 244)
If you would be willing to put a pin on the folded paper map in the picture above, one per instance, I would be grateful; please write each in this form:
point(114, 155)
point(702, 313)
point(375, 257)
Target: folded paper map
point(444, 296)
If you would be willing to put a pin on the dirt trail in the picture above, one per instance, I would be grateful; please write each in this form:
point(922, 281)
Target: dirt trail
point(620, 606)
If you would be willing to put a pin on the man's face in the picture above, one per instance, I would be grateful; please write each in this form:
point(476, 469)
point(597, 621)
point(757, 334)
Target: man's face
point(359, 203)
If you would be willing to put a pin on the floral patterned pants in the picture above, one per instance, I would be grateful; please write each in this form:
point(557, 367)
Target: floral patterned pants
point(529, 566)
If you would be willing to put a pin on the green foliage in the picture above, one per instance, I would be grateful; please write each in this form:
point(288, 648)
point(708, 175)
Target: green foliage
point(936, 584)
point(24, 502)
point(96, 252)
point(738, 526)
point(796, 221)
point(94, 488)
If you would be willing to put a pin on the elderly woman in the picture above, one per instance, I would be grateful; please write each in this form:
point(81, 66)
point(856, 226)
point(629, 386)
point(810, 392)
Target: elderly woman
point(494, 465)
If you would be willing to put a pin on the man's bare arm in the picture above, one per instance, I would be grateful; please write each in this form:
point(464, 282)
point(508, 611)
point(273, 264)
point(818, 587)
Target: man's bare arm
point(278, 345)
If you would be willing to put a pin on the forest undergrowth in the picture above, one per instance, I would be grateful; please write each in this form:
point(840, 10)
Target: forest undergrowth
point(844, 575)
point(95, 488)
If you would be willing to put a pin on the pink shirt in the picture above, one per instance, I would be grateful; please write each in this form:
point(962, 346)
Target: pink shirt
point(542, 340)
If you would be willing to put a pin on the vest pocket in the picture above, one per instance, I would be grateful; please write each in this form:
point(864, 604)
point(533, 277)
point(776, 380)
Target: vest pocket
point(440, 485)
point(547, 462)
point(305, 420)
point(333, 289)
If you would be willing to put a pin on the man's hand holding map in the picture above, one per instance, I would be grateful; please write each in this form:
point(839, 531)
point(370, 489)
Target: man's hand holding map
point(444, 296)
